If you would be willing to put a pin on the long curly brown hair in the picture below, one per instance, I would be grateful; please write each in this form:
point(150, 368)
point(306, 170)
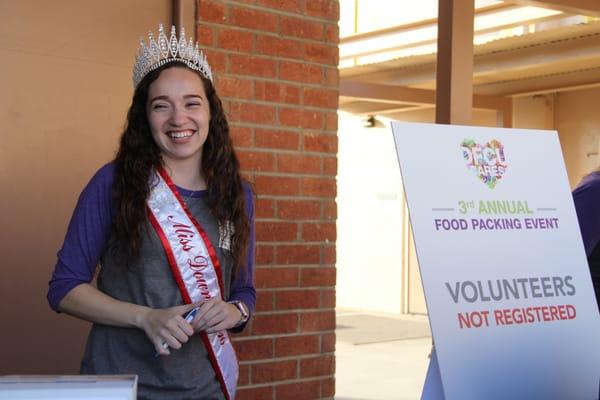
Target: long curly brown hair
point(138, 154)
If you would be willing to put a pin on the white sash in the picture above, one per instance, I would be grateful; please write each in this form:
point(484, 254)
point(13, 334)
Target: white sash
point(195, 266)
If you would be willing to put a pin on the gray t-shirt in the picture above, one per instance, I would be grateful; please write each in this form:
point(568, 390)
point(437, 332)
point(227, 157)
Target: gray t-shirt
point(187, 372)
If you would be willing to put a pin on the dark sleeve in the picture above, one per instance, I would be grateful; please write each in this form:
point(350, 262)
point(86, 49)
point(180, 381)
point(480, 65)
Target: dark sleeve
point(587, 205)
point(86, 237)
point(243, 286)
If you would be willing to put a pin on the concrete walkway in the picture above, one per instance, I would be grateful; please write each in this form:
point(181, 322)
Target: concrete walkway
point(380, 357)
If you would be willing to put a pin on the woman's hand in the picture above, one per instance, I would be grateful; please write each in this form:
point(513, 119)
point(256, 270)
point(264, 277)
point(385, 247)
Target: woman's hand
point(167, 325)
point(216, 315)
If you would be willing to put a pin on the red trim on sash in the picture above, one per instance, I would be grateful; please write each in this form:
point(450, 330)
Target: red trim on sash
point(213, 361)
point(205, 238)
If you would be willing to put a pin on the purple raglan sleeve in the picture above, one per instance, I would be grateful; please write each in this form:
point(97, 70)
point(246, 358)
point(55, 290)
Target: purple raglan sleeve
point(587, 205)
point(86, 237)
point(243, 287)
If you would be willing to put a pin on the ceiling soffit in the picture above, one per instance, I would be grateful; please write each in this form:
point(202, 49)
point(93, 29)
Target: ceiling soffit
point(564, 51)
point(584, 7)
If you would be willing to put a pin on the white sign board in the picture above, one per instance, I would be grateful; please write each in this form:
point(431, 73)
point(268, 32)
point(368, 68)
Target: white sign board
point(508, 290)
point(64, 387)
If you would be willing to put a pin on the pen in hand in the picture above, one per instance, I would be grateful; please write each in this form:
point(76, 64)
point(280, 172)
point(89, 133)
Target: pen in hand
point(189, 317)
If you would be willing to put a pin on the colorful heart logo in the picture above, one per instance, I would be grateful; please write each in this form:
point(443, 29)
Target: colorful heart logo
point(486, 161)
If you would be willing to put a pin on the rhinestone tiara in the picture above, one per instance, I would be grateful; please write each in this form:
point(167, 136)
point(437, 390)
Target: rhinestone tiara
point(156, 54)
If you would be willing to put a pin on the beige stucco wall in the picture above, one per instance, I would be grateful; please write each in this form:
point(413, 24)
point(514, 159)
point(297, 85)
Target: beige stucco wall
point(370, 219)
point(534, 112)
point(575, 115)
point(578, 125)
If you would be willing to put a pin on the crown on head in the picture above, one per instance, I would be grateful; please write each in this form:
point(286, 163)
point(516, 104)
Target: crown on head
point(159, 53)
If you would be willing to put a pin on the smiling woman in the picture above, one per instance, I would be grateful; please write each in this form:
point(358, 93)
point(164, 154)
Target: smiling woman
point(170, 223)
point(179, 114)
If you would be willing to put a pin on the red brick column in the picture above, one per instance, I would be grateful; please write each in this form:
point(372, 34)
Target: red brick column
point(275, 66)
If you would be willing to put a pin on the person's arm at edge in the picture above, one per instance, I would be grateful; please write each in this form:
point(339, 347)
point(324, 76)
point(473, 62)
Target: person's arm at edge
point(85, 239)
point(586, 197)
